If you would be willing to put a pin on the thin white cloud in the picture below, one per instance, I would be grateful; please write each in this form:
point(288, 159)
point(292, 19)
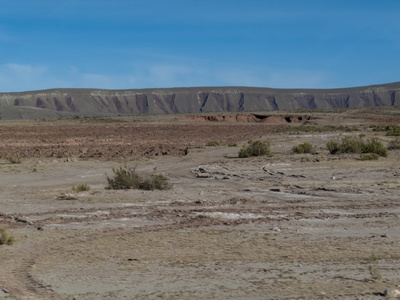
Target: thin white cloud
point(19, 77)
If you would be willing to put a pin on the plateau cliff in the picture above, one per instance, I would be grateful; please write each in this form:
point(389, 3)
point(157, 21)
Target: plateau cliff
point(96, 102)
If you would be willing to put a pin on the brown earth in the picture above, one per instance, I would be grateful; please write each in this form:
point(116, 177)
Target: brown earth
point(306, 226)
point(119, 141)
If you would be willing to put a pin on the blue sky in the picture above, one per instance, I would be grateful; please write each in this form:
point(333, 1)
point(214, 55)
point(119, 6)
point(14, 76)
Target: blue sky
point(123, 44)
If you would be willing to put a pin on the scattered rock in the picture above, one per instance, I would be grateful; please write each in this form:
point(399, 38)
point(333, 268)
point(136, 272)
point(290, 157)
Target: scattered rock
point(67, 196)
point(392, 293)
point(21, 220)
point(203, 175)
point(70, 159)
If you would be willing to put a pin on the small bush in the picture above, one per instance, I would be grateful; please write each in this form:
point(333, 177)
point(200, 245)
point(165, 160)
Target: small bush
point(375, 146)
point(255, 148)
point(393, 130)
point(14, 159)
point(81, 188)
point(126, 178)
point(369, 156)
point(394, 144)
point(333, 146)
point(304, 148)
point(212, 144)
point(6, 239)
point(351, 145)
point(155, 182)
point(232, 145)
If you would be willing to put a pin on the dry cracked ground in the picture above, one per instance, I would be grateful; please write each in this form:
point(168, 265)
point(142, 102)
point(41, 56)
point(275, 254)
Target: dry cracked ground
point(290, 226)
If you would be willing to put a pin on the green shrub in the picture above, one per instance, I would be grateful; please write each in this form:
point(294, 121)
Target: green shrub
point(124, 178)
point(212, 144)
point(304, 148)
point(369, 156)
point(232, 145)
point(6, 239)
point(394, 144)
point(333, 146)
point(378, 128)
point(155, 182)
point(255, 148)
point(351, 145)
point(356, 145)
point(127, 178)
point(375, 146)
point(393, 130)
point(81, 188)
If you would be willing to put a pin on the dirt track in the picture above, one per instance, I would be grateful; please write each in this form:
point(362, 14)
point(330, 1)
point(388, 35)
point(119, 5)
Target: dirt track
point(286, 227)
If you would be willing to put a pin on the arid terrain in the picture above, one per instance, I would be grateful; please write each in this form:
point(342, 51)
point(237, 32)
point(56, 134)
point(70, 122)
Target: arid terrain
point(289, 226)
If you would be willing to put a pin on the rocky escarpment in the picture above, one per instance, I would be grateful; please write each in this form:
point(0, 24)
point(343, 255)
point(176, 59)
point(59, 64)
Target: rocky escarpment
point(89, 102)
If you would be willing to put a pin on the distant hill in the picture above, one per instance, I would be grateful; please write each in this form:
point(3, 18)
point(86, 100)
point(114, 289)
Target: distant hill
point(57, 103)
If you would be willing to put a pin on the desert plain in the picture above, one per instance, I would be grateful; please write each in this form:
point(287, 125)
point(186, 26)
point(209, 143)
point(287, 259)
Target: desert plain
point(286, 226)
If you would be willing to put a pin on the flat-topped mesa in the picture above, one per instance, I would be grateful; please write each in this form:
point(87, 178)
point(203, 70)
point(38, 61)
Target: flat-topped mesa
point(96, 102)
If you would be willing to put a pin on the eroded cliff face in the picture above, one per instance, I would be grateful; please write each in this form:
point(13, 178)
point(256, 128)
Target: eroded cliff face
point(86, 102)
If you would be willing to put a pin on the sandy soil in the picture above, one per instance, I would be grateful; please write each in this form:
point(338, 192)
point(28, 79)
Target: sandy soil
point(289, 226)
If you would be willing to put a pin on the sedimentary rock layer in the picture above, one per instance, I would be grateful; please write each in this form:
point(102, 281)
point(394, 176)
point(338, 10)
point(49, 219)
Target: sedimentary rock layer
point(92, 102)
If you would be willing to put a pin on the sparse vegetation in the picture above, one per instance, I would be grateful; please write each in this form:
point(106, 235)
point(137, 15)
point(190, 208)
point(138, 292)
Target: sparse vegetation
point(375, 146)
point(212, 144)
point(369, 156)
point(373, 268)
point(255, 148)
point(391, 130)
point(351, 145)
point(232, 145)
point(6, 239)
point(394, 144)
point(127, 178)
point(326, 128)
point(304, 148)
point(333, 146)
point(357, 145)
point(14, 159)
point(103, 120)
point(81, 188)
